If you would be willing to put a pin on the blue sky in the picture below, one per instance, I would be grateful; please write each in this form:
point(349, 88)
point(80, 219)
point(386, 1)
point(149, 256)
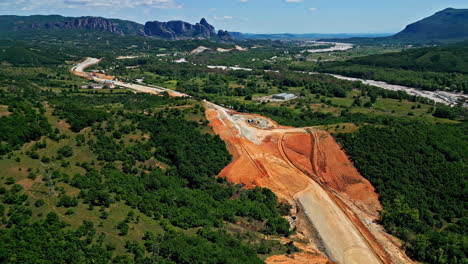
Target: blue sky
point(251, 16)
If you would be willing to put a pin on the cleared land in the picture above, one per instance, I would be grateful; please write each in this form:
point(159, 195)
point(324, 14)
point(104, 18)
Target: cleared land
point(261, 159)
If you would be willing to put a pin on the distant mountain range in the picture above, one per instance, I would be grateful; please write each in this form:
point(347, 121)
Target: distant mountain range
point(309, 36)
point(447, 26)
point(171, 30)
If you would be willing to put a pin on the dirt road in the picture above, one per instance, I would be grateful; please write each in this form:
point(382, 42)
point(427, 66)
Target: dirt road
point(79, 70)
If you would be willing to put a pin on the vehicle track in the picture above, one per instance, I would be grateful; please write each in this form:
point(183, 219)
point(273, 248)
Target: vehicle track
point(256, 164)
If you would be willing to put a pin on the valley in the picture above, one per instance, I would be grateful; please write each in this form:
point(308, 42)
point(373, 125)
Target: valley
point(173, 142)
point(317, 185)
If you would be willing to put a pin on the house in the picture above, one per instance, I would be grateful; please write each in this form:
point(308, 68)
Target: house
point(284, 96)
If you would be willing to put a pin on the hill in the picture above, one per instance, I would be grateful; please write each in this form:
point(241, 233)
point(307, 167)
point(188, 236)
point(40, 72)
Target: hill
point(19, 54)
point(450, 58)
point(76, 194)
point(447, 26)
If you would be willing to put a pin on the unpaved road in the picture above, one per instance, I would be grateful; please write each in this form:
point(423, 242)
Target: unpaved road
point(79, 70)
point(260, 159)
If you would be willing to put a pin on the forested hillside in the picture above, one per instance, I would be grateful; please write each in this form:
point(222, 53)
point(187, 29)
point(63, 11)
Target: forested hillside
point(122, 177)
point(420, 174)
point(448, 25)
point(19, 54)
point(451, 58)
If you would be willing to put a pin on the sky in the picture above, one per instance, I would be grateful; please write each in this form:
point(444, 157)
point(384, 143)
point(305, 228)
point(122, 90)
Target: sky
point(251, 16)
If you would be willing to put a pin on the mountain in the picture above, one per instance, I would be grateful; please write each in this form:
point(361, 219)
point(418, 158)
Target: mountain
point(182, 30)
point(308, 36)
point(25, 24)
point(447, 26)
point(224, 35)
point(14, 25)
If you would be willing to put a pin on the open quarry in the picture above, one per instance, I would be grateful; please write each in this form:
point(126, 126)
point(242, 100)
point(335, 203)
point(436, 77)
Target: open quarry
point(334, 207)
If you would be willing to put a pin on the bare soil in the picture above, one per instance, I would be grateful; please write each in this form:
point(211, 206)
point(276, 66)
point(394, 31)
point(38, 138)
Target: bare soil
point(307, 168)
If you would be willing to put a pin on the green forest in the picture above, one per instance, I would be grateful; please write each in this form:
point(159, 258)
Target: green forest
point(435, 68)
point(137, 161)
point(419, 171)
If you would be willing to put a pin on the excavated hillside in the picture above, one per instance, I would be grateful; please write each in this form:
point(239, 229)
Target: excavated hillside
point(335, 208)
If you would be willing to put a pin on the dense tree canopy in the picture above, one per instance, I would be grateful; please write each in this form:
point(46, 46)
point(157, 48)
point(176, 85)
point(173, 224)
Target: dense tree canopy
point(419, 172)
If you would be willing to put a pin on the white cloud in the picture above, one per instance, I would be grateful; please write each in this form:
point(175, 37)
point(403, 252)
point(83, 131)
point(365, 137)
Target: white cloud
point(115, 4)
point(243, 1)
point(223, 18)
point(294, 1)
point(312, 9)
point(163, 4)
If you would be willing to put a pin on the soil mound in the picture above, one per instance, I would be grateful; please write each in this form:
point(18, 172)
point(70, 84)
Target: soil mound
point(318, 155)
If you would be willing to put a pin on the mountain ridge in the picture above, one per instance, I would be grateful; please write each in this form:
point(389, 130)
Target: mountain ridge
point(444, 27)
point(171, 30)
point(449, 23)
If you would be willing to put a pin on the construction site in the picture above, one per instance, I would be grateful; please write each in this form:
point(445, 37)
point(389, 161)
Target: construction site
point(334, 209)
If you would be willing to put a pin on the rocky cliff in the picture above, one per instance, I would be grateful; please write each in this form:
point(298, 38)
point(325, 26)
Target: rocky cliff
point(18, 24)
point(224, 35)
point(171, 30)
point(182, 30)
point(93, 23)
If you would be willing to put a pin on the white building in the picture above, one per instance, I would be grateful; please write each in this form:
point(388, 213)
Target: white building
point(284, 96)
